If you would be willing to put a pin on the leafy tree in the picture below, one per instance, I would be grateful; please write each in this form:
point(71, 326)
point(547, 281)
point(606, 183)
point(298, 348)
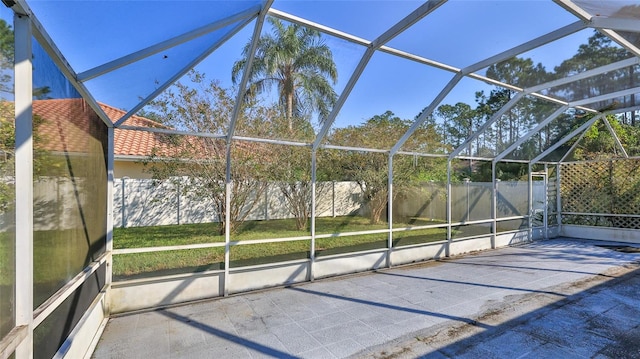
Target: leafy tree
point(460, 122)
point(296, 61)
point(6, 56)
point(599, 50)
point(291, 174)
point(205, 106)
point(525, 114)
point(370, 170)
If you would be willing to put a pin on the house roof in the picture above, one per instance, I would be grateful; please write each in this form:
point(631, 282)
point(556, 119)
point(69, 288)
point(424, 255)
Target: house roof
point(135, 142)
point(67, 122)
point(70, 125)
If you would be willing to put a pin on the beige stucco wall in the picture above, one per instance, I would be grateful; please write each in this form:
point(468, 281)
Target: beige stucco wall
point(131, 169)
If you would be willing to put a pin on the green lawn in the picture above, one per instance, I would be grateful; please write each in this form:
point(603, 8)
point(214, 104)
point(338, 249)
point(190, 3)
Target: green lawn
point(168, 262)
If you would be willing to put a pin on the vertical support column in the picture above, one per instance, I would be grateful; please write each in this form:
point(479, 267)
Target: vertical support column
point(312, 250)
point(178, 199)
point(123, 207)
point(109, 244)
point(494, 205)
point(24, 183)
point(447, 247)
point(333, 199)
point(390, 209)
point(227, 220)
point(530, 200)
point(545, 213)
point(266, 203)
point(558, 198)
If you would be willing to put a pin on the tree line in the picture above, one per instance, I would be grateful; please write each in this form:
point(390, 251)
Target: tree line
point(297, 63)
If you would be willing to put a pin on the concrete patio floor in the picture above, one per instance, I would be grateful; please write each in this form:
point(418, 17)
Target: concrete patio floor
point(560, 298)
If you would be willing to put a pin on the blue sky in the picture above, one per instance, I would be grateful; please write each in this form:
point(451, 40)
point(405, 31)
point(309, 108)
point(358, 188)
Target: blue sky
point(459, 33)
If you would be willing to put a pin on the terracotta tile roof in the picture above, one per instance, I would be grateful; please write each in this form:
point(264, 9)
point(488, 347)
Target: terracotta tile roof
point(67, 122)
point(65, 125)
point(71, 125)
point(136, 142)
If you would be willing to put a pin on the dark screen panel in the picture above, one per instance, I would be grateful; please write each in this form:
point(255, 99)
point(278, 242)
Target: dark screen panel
point(70, 180)
point(52, 332)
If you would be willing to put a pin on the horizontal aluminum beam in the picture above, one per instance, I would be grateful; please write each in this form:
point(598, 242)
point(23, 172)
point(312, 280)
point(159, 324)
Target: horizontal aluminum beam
point(562, 141)
point(167, 44)
point(61, 62)
point(169, 131)
point(322, 28)
point(532, 132)
point(487, 124)
point(181, 73)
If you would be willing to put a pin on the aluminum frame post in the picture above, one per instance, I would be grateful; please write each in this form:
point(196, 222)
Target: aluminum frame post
point(615, 136)
point(227, 223)
point(415, 16)
point(566, 138)
point(109, 237)
point(545, 214)
point(494, 205)
point(530, 134)
point(486, 125)
point(246, 73)
point(559, 197)
point(167, 44)
point(181, 73)
point(427, 112)
point(447, 250)
point(530, 200)
point(390, 210)
point(234, 118)
point(24, 182)
point(312, 252)
point(48, 45)
point(578, 11)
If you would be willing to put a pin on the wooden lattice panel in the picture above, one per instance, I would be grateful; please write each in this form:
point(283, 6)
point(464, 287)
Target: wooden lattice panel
point(626, 187)
point(601, 190)
point(586, 187)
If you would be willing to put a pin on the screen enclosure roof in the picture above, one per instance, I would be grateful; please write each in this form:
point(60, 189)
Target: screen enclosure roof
point(407, 57)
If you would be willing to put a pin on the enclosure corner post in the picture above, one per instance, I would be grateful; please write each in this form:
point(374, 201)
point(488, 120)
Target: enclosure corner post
point(109, 229)
point(24, 183)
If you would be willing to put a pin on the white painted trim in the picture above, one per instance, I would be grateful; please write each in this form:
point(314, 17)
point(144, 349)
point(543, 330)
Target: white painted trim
point(80, 342)
point(51, 304)
point(11, 341)
point(167, 248)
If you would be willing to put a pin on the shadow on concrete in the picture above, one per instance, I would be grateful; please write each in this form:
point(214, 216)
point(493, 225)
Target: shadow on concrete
point(598, 320)
point(472, 284)
point(390, 306)
point(249, 344)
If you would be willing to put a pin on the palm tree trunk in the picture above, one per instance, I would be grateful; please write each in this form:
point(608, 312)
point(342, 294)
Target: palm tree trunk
point(290, 111)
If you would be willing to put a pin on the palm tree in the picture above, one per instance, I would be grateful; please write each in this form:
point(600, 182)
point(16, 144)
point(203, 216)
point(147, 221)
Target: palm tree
point(296, 60)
